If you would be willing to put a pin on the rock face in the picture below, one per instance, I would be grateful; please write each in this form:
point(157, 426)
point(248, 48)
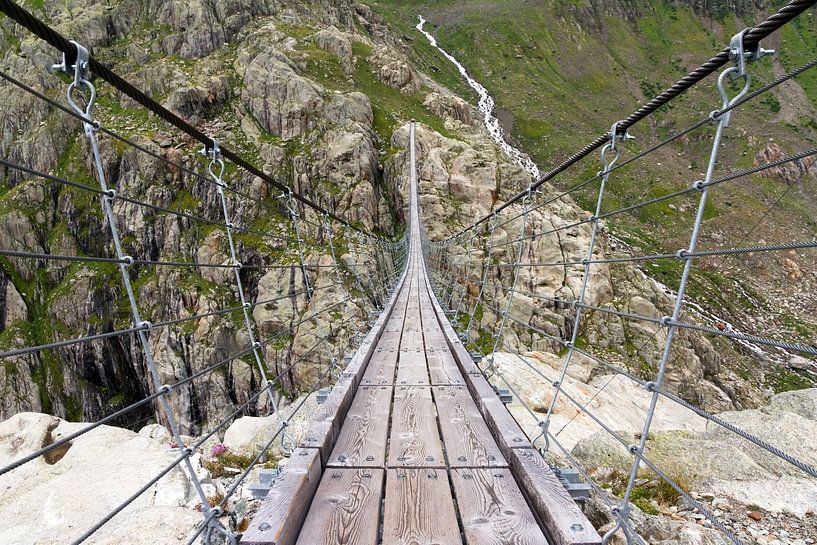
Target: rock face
point(716, 459)
point(71, 489)
point(789, 173)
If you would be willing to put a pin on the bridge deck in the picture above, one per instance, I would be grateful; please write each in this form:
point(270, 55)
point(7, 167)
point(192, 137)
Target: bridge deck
point(414, 446)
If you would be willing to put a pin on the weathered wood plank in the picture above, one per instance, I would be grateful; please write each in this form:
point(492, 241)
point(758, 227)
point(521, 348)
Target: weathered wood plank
point(412, 339)
point(389, 340)
point(412, 369)
point(320, 436)
point(564, 521)
point(503, 425)
point(381, 367)
point(283, 511)
point(362, 440)
point(493, 510)
point(468, 442)
point(346, 508)
point(419, 509)
point(443, 369)
point(414, 440)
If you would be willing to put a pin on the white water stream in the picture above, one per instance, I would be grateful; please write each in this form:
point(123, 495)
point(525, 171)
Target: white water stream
point(485, 106)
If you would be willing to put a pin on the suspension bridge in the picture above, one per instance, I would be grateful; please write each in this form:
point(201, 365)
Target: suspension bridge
point(413, 443)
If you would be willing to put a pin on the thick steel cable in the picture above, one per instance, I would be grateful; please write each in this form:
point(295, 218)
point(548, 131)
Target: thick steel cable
point(52, 37)
point(752, 37)
point(675, 136)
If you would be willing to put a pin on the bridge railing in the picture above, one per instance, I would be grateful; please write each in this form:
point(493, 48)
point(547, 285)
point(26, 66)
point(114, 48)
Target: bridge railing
point(487, 272)
point(258, 225)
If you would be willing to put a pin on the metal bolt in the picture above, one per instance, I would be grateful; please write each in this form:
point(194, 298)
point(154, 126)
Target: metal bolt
point(264, 526)
point(577, 527)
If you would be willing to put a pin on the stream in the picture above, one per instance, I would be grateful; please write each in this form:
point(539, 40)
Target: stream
point(485, 106)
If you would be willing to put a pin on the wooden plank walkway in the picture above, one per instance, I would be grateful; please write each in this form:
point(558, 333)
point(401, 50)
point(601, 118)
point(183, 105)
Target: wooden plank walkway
point(422, 450)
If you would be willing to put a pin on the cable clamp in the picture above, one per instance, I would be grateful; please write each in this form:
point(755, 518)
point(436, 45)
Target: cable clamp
point(683, 253)
point(188, 451)
point(633, 449)
point(127, 260)
point(741, 55)
point(165, 389)
point(666, 320)
point(557, 384)
point(145, 325)
point(651, 386)
point(79, 68)
point(230, 225)
point(256, 345)
point(699, 185)
point(238, 265)
point(246, 304)
point(110, 194)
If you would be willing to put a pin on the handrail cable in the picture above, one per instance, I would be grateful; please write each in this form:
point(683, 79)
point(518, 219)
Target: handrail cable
point(681, 192)
point(117, 196)
point(147, 326)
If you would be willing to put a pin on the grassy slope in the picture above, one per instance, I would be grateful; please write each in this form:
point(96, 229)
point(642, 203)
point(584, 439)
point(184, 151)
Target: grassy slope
point(566, 72)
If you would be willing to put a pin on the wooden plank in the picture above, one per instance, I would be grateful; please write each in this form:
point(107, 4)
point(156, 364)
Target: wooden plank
point(414, 440)
point(443, 370)
point(419, 509)
point(380, 370)
point(493, 510)
point(412, 340)
point(468, 442)
point(564, 521)
point(319, 436)
point(412, 369)
point(283, 511)
point(503, 425)
point(389, 341)
point(362, 440)
point(345, 509)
